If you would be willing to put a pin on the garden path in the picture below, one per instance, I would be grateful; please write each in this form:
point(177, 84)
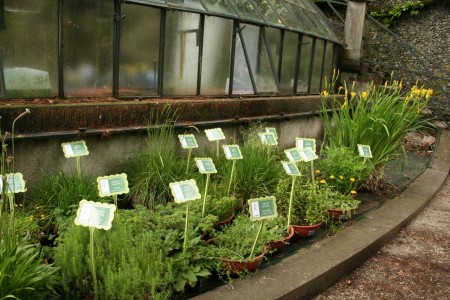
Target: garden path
point(414, 265)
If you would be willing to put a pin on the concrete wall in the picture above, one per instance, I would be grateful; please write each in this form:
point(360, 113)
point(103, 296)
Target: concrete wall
point(108, 154)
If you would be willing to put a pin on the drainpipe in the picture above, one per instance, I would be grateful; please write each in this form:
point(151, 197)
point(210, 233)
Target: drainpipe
point(353, 34)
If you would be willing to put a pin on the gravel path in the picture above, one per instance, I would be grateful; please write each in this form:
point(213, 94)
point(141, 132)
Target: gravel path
point(414, 265)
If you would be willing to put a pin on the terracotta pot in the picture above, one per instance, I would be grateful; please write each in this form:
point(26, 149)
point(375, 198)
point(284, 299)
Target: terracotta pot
point(278, 245)
point(304, 231)
point(222, 223)
point(338, 214)
point(234, 267)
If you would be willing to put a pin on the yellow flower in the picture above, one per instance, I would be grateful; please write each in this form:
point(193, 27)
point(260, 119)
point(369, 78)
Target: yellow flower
point(318, 171)
point(364, 95)
point(31, 218)
point(323, 181)
point(353, 94)
point(332, 177)
point(353, 192)
point(324, 94)
point(341, 177)
point(352, 179)
point(429, 93)
point(340, 89)
point(345, 104)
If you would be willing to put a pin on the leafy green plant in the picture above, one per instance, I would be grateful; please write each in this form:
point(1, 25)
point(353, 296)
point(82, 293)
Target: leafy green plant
point(389, 17)
point(310, 203)
point(140, 257)
point(342, 169)
point(150, 171)
point(258, 173)
point(22, 272)
point(346, 203)
point(380, 117)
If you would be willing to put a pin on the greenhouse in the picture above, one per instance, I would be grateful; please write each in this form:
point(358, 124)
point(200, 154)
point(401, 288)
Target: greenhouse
point(164, 48)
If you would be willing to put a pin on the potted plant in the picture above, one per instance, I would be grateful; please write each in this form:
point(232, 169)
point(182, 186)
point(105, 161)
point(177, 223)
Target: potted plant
point(309, 206)
point(233, 246)
point(341, 207)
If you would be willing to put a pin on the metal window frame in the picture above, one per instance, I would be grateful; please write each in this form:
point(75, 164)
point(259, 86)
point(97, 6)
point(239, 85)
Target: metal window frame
point(247, 59)
point(311, 64)
point(200, 37)
point(2, 80)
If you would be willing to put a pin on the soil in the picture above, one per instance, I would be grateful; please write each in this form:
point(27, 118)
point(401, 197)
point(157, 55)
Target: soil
point(414, 265)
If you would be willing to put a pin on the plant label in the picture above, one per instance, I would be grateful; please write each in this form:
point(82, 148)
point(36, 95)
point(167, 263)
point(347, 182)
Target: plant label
point(308, 154)
point(268, 138)
point(184, 191)
point(263, 208)
point(188, 141)
point(364, 151)
point(232, 151)
point(205, 165)
point(95, 214)
point(75, 149)
point(293, 155)
point(302, 143)
point(272, 130)
point(291, 168)
point(15, 183)
point(214, 134)
point(112, 185)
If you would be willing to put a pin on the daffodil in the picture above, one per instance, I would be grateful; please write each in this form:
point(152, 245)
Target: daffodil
point(324, 94)
point(345, 104)
point(323, 181)
point(364, 95)
point(353, 94)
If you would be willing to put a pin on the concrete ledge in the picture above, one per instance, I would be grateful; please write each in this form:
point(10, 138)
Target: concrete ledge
point(312, 270)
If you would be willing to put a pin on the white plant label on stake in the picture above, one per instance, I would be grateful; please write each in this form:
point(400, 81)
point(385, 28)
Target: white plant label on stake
point(364, 151)
point(214, 134)
point(272, 130)
point(268, 138)
point(112, 185)
point(95, 214)
point(232, 152)
point(303, 143)
point(205, 165)
point(263, 208)
point(184, 191)
point(308, 154)
point(15, 183)
point(188, 141)
point(293, 155)
point(291, 168)
point(75, 149)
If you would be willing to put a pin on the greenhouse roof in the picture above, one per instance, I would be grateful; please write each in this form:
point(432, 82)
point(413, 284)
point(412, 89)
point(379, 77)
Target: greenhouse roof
point(296, 15)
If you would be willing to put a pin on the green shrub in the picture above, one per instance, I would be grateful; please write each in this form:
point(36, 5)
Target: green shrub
point(23, 275)
point(380, 117)
point(342, 169)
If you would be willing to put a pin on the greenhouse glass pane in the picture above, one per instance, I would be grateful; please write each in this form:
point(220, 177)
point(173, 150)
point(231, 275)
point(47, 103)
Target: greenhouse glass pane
point(247, 11)
point(284, 14)
point(216, 56)
point(300, 15)
point(305, 59)
point(242, 83)
point(88, 44)
point(139, 51)
point(290, 46)
point(328, 66)
point(274, 40)
point(190, 4)
point(317, 66)
point(29, 46)
point(181, 51)
point(161, 3)
point(220, 7)
point(259, 59)
point(268, 13)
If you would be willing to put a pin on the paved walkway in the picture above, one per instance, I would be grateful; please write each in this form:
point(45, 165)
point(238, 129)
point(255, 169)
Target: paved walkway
point(414, 265)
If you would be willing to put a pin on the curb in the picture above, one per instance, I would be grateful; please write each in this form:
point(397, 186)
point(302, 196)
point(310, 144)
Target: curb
point(311, 270)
